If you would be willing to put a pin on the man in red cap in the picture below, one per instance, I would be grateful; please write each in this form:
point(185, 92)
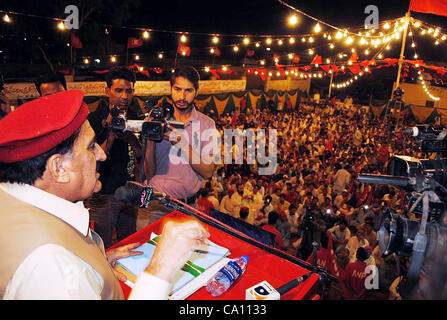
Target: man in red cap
point(48, 161)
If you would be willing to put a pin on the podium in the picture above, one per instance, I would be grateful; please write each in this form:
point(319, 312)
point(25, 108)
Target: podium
point(272, 265)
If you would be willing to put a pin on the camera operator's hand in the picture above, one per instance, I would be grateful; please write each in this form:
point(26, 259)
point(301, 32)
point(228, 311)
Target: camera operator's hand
point(177, 137)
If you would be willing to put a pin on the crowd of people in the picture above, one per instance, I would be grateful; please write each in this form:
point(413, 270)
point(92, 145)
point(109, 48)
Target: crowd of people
point(321, 149)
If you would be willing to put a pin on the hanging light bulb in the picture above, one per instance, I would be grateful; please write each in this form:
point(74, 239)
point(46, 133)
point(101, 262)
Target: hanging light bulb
point(183, 38)
point(311, 51)
point(113, 59)
point(246, 41)
point(311, 39)
point(61, 25)
point(86, 61)
point(268, 41)
point(137, 57)
point(212, 51)
point(280, 42)
point(146, 35)
point(331, 46)
point(160, 56)
point(291, 40)
point(235, 48)
point(215, 40)
point(257, 44)
point(293, 20)
point(207, 69)
point(6, 18)
point(317, 28)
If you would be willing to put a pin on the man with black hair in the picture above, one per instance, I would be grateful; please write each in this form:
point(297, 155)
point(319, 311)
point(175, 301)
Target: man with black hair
point(270, 227)
point(124, 153)
point(183, 159)
point(50, 83)
point(355, 275)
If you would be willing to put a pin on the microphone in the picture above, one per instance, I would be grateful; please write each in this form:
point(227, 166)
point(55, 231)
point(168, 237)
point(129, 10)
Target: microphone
point(264, 291)
point(138, 195)
point(420, 131)
point(292, 284)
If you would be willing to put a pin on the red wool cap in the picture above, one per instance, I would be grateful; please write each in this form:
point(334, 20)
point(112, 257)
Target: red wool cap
point(39, 125)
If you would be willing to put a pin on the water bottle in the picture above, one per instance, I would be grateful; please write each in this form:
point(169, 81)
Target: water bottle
point(227, 276)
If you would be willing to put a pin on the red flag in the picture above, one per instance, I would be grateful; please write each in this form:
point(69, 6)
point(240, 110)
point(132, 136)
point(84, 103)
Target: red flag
point(317, 60)
point(276, 58)
point(250, 53)
point(217, 52)
point(75, 41)
point(134, 42)
point(354, 57)
point(157, 70)
point(296, 59)
point(355, 69)
point(438, 7)
point(234, 119)
point(183, 50)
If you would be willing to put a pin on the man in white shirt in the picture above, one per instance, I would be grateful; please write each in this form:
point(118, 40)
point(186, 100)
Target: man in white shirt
point(47, 168)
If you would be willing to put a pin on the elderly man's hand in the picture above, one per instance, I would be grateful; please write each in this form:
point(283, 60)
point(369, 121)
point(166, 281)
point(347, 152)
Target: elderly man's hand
point(177, 242)
point(122, 252)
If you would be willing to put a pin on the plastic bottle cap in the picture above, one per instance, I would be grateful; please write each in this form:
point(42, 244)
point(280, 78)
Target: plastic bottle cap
point(245, 258)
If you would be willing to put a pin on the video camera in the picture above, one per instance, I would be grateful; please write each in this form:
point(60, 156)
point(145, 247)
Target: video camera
point(425, 181)
point(154, 129)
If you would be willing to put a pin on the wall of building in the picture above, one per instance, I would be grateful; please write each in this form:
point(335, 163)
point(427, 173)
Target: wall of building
point(415, 94)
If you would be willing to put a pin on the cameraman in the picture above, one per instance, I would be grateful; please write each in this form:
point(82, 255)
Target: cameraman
point(178, 167)
point(123, 155)
point(311, 228)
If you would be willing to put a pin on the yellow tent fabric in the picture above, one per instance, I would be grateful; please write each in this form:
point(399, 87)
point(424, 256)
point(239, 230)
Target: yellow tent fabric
point(293, 99)
point(253, 99)
point(421, 113)
point(202, 103)
point(237, 102)
point(220, 105)
point(377, 110)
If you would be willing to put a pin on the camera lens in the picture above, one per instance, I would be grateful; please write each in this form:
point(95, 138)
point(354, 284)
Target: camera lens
point(396, 234)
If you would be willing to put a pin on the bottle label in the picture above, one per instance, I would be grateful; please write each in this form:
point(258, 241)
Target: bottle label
point(232, 271)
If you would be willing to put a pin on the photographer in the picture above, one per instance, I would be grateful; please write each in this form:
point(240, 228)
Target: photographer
point(123, 155)
point(178, 166)
point(311, 228)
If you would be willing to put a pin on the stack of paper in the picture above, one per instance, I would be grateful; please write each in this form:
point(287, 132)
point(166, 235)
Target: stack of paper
point(201, 267)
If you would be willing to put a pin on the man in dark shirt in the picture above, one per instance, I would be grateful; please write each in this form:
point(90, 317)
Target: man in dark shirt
point(123, 155)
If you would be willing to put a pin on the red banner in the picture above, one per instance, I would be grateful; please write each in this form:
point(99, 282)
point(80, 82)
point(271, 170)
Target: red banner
point(134, 42)
point(184, 50)
point(317, 60)
point(75, 41)
point(438, 7)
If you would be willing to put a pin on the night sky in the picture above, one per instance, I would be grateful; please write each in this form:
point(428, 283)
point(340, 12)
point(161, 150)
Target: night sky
point(202, 17)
